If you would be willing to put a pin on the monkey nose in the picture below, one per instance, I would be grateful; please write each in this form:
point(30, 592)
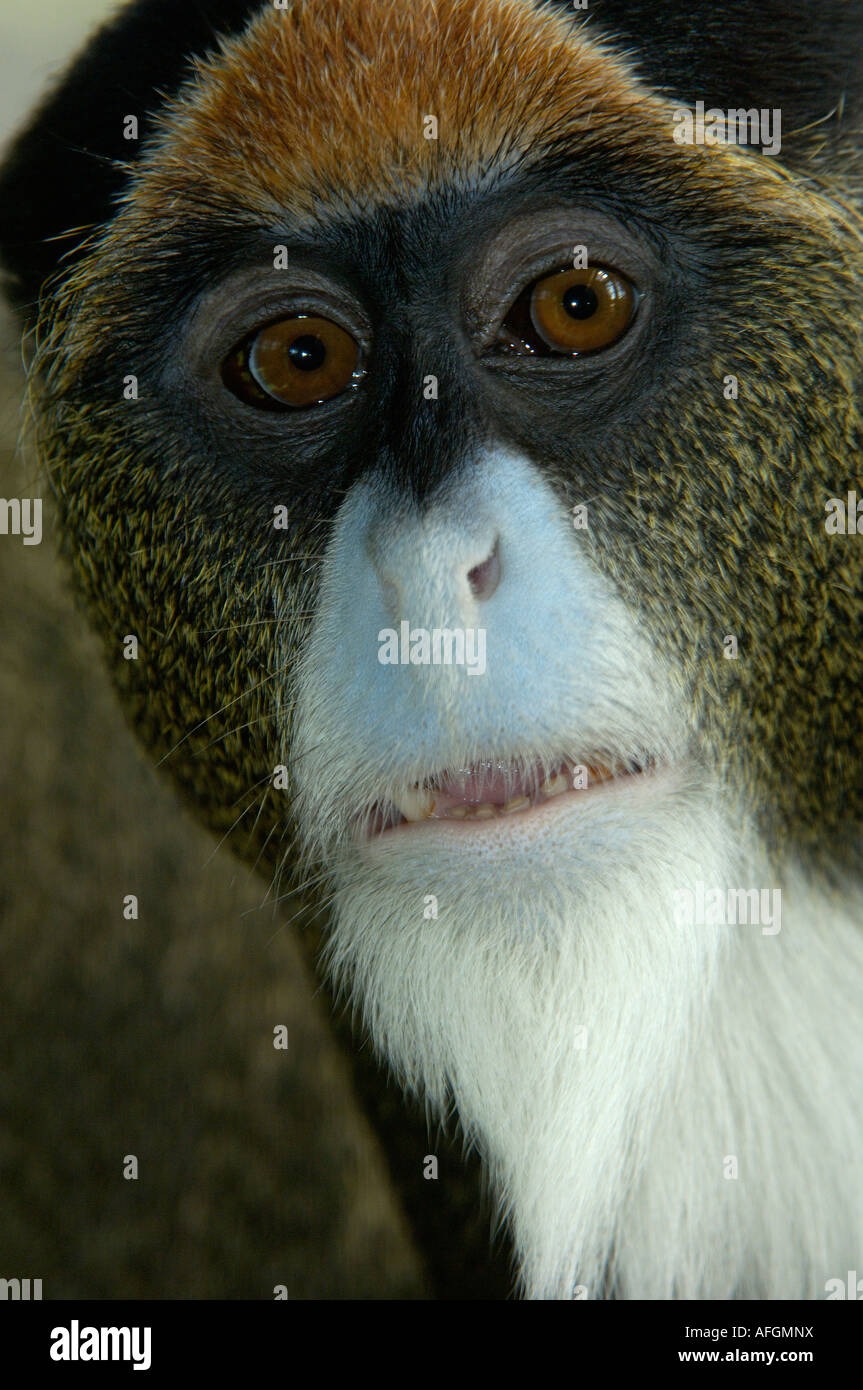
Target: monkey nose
point(484, 578)
point(442, 569)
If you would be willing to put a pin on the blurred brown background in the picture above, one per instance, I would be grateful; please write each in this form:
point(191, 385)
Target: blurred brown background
point(154, 1037)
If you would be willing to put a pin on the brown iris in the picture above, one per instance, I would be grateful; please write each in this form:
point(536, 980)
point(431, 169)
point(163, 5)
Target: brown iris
point(296, 362)
point(570, 312)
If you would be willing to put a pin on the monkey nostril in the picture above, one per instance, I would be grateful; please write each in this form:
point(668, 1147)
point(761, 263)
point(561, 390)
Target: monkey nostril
point(484, 579)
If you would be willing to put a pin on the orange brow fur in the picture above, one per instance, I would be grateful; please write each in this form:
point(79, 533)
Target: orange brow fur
point(325, 103)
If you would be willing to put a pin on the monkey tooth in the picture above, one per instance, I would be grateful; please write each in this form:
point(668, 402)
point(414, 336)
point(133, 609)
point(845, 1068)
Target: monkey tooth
point(416, 804)
point(488, 790)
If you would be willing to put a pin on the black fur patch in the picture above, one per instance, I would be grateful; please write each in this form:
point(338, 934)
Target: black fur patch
point(63, 171)
point(798, 55)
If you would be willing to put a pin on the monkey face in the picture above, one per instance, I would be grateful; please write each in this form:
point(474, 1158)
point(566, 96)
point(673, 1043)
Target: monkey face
point(250, 519)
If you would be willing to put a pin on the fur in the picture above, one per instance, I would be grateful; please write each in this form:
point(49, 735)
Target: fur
point(707, 518)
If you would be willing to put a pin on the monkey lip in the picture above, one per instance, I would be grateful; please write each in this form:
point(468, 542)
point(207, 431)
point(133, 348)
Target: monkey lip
point(491, 790)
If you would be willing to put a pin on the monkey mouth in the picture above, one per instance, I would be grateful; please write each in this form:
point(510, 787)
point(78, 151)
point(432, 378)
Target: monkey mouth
point(494, 790)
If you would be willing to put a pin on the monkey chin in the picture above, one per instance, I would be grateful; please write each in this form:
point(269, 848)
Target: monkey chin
point(620, 1072)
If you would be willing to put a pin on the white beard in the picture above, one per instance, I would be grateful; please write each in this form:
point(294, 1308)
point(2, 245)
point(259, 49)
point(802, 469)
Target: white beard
point(611, 1064)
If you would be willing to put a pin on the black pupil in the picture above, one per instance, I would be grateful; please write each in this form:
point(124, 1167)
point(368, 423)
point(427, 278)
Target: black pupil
point(308, 353)
point(580, 302)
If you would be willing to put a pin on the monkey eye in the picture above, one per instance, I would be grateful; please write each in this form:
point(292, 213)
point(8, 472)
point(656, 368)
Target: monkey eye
point(570, 312)
point(296, 362)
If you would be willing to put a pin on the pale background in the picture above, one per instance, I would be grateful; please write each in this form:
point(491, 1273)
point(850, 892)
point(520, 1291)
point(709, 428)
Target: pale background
point(36, 38)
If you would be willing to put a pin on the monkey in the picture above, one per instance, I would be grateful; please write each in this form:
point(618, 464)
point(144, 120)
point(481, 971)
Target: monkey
point(541, 321)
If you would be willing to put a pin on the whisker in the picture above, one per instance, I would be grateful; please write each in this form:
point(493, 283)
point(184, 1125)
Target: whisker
point(255, 622)
point(268, 715)
point(262, 850)
point(229, 831)
point(287, 560)
point(262, 781)
point(261, 805)
point(242, 696)
point(289, 921)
